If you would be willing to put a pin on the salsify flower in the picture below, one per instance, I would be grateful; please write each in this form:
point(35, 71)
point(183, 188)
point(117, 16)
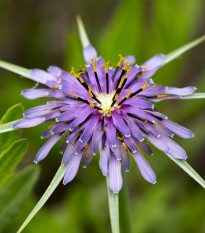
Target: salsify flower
point(106, 109)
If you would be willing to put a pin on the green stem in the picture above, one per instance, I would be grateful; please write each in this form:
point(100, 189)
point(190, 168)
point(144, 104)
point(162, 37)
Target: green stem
point(15, 69)
point(125, 215)
point(54, 183)
point(113, 209)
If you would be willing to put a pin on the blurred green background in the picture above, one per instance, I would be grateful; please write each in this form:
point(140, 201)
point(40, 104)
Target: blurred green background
point(36, 34)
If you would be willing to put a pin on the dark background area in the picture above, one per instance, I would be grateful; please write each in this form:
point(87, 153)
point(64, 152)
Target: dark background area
point(36, 34)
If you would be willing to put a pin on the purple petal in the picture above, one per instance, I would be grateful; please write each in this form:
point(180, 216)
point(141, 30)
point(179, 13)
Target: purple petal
point(156, 61)
point(104, 157)
point(48, 132)
point(144, 146)
point(55, 71)
point(90, 127)
point(60, 128)
point(42, 76)
point(157, 142)
point(175, 150)
point(72, 168)
point(110, 131)
point(125, 160)
point(115, 176)
point(144, 168)
point(178, 129)
point(27, 123)
point(45, 149)
point(68, 153)
point(130, 143)
point(180, 91)
point(88, 155)
point(97, 135)
point(130, 59)
point(89, 53)
point(120, 124)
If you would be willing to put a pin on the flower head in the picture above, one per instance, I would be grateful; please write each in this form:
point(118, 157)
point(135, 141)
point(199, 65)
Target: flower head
point(106, 109)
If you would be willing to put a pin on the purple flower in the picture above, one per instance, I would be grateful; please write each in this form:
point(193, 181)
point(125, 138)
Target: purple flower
point(106, 109)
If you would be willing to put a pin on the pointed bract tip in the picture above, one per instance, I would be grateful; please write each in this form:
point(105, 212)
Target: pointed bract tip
point(82, 32)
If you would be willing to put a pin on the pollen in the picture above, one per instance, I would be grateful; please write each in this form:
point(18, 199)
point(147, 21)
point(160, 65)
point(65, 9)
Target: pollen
point(106, 101)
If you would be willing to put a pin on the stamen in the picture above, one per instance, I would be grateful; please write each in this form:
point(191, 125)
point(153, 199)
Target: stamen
point(96, 76)
point(107, 77)
point(135, 93)
point(102, 124)
point(122, 73)
point(123, 145)
point(77, 76)
point(85, 101)
point(118, 66)
point(158, 96)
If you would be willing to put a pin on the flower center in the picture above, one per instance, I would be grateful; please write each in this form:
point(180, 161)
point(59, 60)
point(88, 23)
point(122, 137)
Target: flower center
point(106, 102)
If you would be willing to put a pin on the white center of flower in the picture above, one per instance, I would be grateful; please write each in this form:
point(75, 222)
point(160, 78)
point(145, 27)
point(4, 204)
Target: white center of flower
point(106, 102)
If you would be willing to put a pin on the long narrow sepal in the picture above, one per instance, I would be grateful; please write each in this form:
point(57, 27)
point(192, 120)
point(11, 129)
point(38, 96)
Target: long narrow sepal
point(83, 35)
point(51, 188)
point(194, 96)
point(189, 170)
point(15, 69)
point(113, 201)
point(7, 126)
point(171, 56)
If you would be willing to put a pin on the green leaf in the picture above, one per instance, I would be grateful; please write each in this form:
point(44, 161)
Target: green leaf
point(51, 188)
point(10, 159)
point(189, 170)
point(13, 113)
point(194, 96)
point(171, 56)
point(113, 201)
point(15, 192)
point(16, 69)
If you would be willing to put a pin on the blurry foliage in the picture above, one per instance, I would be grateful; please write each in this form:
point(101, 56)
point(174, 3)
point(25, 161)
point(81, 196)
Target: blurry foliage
point(42, 33)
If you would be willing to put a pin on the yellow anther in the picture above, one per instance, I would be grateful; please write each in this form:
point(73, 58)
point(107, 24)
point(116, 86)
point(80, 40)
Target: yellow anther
point(121, 59)
point(161, 96)
point(128, 71)
point(91, 104)
point(90, 92)
point(74, 94)
point(106, 66)
point(120, 138)
point(155, 123)
point(93, 65)
point(72, 72)
point(116, 97)
point(125, 66)
point(146, 85)
point(124, 146)
point(121, 82)
point(83, 70)
point(143, 68)
point(128, 95)
point(86, 145)
point(80, 79)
